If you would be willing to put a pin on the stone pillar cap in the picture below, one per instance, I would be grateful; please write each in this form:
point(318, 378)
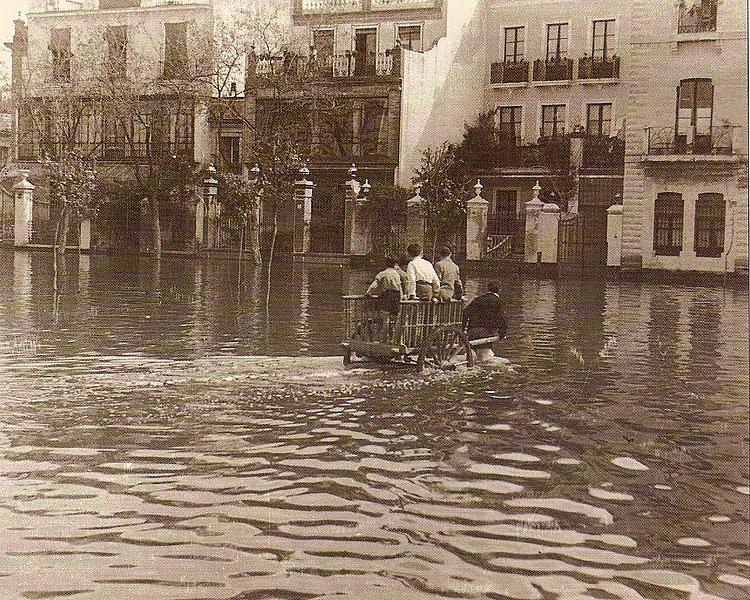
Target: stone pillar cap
point(24, 184)
point(615, 209)
point(550, 207)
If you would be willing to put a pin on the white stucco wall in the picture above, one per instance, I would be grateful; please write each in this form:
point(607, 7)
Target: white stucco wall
point(443, 87)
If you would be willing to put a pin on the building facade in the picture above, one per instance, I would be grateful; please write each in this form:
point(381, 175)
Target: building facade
point(119, 82)
point(686, 199)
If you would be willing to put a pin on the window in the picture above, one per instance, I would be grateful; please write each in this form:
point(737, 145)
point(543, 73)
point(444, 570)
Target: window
point(598, 119)
point(514, 38)
point(366, 48)
point(701, 16)
point(603, 40)
point(510, 125)
point(553, 120)
point(557, 41)
point(175, 50)
point(709, 225)
point(117, 41)
point(373, 128)
point(323, 43)
point(668, 224)
point(60, 48)
point(229, 149)
point(695, 107)
point(410, 36)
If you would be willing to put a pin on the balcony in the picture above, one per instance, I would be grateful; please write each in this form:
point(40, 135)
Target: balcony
point(590, 68)
point(603, 153)
point(509, 72)
point(349, 64)
point(553, 69)
point(715, 143)
point(700, 18)
point(316, 7)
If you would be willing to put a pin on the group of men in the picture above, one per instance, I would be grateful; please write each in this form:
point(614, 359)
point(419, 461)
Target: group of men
point(483, 317)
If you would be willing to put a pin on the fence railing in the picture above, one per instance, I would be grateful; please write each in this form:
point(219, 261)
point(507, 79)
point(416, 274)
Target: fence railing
point(109, 151)
point(499, 246)
point(708, 141)
point(510, 72)
point(553, 69)
point(349, 64)
point(592, 68)
point(307, 7)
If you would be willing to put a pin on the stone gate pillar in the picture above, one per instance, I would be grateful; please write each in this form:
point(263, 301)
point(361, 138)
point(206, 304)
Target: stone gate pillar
point(614, 235)
point(549, 224)
point(531, 237)
point(23, 193)
point(84, 235)
point(415, 220)
point(303, 191)
point(476, 224)
point(200, 213)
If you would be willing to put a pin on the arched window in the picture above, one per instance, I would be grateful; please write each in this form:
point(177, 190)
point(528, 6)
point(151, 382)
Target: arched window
point(668, 211)
point(709, 225)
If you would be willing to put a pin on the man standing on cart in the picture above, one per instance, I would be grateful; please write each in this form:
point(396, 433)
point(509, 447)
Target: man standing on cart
point(424, 284)
point(484, 318)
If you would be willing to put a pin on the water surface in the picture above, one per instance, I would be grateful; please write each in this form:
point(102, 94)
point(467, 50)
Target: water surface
point(166, 433)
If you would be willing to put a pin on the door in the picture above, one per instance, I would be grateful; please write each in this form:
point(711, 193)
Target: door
point(327, 221)
point(323, 43)
point(695, 107)
point(366, 47)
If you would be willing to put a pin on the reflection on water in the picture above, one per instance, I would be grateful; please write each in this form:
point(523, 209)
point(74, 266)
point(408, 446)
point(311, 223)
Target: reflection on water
point(168, 434)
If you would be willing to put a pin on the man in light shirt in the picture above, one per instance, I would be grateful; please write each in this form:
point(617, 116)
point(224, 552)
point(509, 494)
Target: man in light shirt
point(423, 280)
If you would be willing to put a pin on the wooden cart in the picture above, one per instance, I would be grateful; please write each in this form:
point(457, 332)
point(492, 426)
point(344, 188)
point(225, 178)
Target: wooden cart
point(427, 334)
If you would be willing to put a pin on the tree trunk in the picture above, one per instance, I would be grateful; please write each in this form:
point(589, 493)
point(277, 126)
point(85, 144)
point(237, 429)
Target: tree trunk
point(239, 257)
point(61, 231)
point(156, 226)
point(271, 249)
point(254, 234)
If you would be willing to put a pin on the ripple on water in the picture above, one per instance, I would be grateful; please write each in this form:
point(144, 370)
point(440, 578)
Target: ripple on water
point(626, 462)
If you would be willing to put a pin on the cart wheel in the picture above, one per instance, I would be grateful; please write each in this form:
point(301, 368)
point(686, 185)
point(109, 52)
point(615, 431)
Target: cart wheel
point(446, 349)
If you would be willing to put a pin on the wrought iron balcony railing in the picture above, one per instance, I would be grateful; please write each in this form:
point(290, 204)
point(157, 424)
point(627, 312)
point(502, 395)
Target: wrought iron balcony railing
point(699, 18)
point(510, 72)
point(312, 7)
point(553, 69)
point(711, 141)
point(350, 64)
point(594, 68)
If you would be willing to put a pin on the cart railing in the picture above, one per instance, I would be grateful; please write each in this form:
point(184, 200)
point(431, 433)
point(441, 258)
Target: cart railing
point(416, 319)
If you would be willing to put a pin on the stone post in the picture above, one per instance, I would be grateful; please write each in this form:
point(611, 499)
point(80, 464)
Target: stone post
point(210, 191)
point(549, 223)
point(200, 213)
point(361, 244)
point(476, 224)
point(415, 221)
point(23, 193)
point(531, 237)
point(351, 193)
point(84, 235)
point(614, 235)
point(303, 191)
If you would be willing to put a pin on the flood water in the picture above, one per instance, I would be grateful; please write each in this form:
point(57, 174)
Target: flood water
point(168, 434)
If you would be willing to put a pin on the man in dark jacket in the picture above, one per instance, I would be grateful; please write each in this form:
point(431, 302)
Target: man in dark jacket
point(484, 317)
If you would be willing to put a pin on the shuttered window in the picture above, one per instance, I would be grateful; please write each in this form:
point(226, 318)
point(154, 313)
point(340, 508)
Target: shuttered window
point(668, 220)
point(709, 225)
